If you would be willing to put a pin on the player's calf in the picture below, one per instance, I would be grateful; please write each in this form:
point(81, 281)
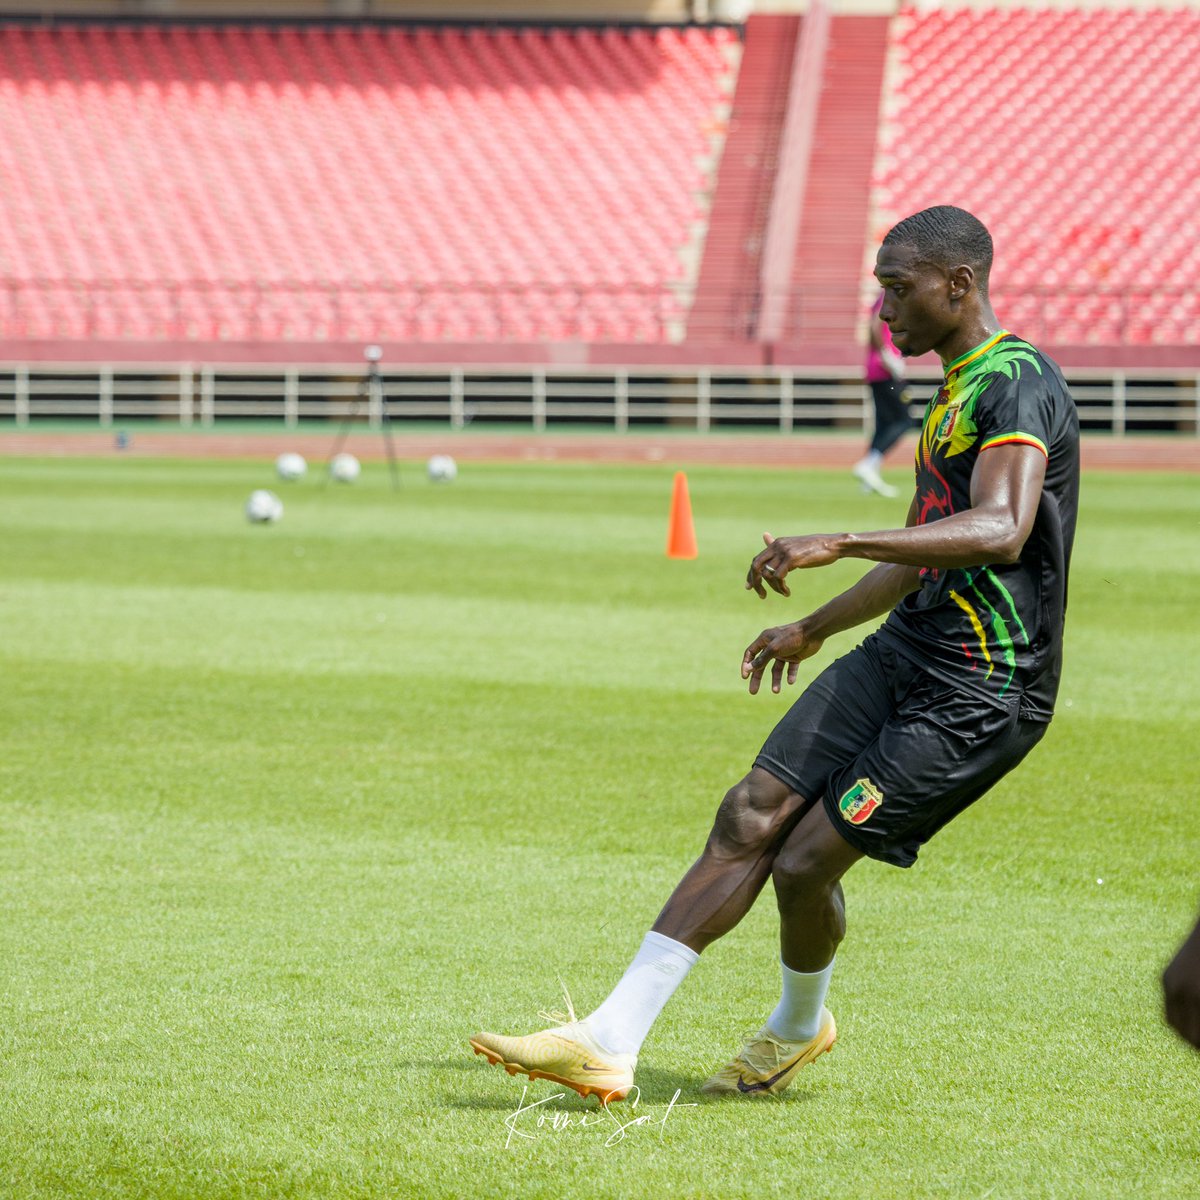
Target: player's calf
point(725, 880)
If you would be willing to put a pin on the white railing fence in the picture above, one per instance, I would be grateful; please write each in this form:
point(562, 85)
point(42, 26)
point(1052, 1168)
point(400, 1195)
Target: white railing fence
point(612, 399)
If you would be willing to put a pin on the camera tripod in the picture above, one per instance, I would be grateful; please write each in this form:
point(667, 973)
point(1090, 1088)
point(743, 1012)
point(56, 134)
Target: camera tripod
point(370, 391)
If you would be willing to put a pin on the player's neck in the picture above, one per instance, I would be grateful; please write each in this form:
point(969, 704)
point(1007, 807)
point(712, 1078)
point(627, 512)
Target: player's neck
point(973, 331)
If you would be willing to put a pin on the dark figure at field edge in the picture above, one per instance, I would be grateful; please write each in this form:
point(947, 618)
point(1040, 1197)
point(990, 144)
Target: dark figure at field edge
point(889, 398)
point(1181, 989)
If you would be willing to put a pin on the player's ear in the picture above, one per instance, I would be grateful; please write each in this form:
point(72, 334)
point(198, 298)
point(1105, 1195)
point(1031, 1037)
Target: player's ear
point(961, 279)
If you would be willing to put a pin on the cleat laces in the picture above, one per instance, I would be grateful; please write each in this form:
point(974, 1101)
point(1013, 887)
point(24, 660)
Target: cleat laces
point(756, 1055)
point(560, 1018)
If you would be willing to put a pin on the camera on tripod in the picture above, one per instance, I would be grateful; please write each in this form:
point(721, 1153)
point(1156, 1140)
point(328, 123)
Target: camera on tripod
point(372, 391)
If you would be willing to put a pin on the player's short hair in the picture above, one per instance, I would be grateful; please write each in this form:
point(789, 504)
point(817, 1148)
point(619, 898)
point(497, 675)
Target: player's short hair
point(947, 237)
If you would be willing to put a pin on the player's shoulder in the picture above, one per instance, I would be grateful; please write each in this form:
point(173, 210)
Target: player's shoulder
point(1014, 365)
point(1012, 357)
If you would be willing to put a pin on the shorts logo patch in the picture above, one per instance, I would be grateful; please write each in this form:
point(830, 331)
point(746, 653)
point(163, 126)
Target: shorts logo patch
point(860, 801)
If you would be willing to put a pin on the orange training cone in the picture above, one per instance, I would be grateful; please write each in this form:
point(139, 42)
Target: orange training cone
point(681, 533)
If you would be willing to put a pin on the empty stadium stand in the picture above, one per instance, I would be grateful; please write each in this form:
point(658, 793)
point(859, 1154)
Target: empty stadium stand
point(1069, 133)
point(598, 194)
point(356, 182)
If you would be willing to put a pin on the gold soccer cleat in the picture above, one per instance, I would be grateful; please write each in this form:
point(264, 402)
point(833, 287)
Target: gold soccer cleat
point(766, 1064)
point(565, 1055)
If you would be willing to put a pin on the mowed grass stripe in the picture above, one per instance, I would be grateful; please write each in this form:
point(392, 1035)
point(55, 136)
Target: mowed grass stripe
point(534, 640)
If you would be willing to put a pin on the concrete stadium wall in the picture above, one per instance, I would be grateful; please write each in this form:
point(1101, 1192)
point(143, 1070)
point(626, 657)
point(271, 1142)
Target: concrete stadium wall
point(658, 11)
point(655, 11)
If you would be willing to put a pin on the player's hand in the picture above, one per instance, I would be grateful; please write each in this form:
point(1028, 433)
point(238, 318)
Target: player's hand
point(1181, 990)
point(785, 554)
point(783, 646)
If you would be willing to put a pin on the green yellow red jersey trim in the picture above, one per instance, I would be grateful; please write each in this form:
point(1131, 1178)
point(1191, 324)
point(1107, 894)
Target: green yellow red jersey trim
point(1016, 438)
point(972, 355)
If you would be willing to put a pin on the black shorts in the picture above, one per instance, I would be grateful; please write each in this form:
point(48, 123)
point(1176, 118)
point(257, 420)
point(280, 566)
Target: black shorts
point(893, 752)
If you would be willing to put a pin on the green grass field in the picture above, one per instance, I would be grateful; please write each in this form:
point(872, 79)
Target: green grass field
point(290, 812)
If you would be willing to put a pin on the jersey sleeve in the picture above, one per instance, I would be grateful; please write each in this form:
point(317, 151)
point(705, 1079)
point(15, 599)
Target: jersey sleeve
point(1015, 411)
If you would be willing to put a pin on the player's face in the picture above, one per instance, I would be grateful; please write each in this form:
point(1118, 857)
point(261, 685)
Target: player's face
point(918, 307)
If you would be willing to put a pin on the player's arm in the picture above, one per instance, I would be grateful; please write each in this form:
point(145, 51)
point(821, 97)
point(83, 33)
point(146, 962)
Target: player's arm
point(1006, 488)
point(877, 592)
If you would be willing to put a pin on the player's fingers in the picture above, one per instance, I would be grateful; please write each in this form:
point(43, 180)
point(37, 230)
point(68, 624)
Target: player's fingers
point(760, 662)
point(793, 671)
point(768, 567)
point(760, 565)
point(779, 584)
point(751, 650)
point(777, 675)
point(758, 571)
point(775, 573)
point(762, 659)
point(752, 573)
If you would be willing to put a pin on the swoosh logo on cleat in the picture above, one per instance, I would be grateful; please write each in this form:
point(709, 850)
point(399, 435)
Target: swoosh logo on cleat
point(765, 1084)
point(589, 1067)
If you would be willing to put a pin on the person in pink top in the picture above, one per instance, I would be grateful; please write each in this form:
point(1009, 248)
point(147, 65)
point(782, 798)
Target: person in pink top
point(885, 374)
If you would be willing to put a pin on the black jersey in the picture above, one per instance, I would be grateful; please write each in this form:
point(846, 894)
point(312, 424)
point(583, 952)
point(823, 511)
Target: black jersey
point(996, 630)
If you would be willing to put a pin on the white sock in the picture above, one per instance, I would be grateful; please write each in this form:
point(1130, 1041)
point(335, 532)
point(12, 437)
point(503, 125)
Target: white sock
point(797, 1016)
point(873, 460)
point(621, 1023)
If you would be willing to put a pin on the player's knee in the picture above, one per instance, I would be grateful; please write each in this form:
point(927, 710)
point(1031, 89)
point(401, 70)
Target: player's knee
point(743, 824)
point(805, 887)
point(800, 873)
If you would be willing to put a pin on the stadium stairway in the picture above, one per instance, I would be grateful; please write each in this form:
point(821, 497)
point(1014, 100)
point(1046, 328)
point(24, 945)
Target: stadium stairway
point(726, 299)
point(827, 272)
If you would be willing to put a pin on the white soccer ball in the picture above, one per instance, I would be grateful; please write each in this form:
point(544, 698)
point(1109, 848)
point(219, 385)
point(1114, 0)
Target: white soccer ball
point(344, 468)
point(441, 468)
point(290, 466)
point(263, 507)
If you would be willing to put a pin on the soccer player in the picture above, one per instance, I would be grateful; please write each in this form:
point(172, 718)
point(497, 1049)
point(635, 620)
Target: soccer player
point(899, 736)
point(1181, 989)
point(885, 377)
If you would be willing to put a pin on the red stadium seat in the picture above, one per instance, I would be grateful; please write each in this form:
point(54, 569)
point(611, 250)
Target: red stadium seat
point(313, 182)
point(1069, 150)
